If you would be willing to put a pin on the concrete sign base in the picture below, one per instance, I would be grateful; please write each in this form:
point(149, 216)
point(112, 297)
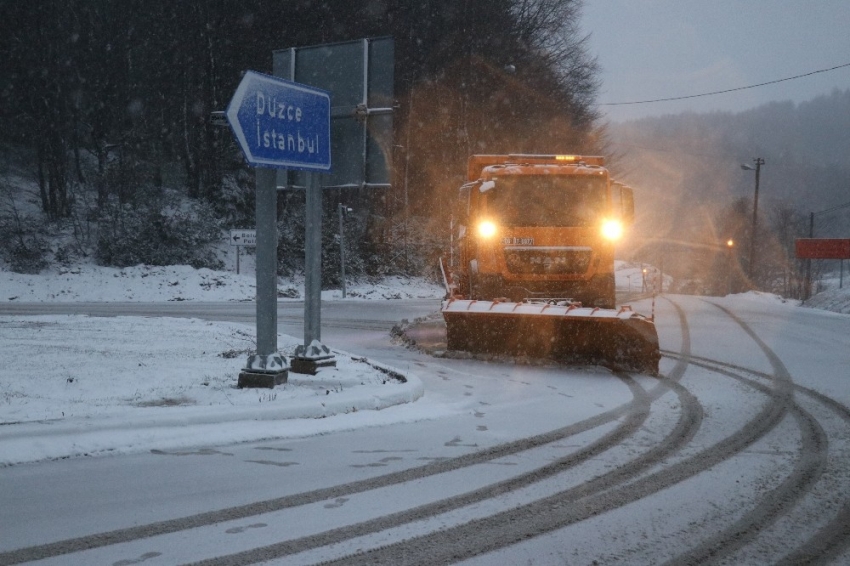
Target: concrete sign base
point(311, 366)
point(264, 371)
point(266, 380)
point(311, 358)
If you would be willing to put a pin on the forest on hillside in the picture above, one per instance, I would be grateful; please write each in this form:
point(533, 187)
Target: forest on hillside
point(693, 194)
point(109, 153)
point(107, 137)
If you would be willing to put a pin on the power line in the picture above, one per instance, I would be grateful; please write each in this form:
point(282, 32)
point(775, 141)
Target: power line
point(833, 209)
point(677, 151)
point(727, 90)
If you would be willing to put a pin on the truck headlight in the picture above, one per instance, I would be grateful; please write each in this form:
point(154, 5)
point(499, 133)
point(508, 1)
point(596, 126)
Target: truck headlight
point(487, 229)
point(612, 230)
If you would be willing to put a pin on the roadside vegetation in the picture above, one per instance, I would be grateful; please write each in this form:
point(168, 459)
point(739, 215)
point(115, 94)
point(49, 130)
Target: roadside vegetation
point(114, 160)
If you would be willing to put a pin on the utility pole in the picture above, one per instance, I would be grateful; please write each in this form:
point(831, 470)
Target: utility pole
point(751, 266)
point(808, 292)
point(730, 245)
point(342, 209)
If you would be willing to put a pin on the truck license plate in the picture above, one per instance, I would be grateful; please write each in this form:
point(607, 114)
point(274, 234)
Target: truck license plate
point(518, 241)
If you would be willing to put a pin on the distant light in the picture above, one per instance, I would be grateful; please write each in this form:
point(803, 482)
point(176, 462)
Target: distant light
point(730, 242)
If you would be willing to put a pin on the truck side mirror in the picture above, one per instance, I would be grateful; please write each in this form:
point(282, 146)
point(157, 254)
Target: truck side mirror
point(462, 208)
point(627, 204)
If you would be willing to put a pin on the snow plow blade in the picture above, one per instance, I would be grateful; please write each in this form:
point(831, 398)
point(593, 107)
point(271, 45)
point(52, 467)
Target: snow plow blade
point(618, 339)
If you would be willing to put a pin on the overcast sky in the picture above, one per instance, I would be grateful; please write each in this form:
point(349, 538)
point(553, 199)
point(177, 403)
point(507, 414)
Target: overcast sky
point(651, 49)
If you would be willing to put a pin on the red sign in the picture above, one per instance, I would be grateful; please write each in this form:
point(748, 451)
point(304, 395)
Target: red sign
point(822, 248)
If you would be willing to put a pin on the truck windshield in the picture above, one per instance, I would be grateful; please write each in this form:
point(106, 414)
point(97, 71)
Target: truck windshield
point(548, 200)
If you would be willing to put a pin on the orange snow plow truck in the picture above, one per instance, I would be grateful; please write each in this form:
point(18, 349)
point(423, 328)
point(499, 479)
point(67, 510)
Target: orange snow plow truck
point(534, 274)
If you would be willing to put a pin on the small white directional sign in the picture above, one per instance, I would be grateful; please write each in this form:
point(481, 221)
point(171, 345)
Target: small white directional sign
point(279, 123)
point(246, 238)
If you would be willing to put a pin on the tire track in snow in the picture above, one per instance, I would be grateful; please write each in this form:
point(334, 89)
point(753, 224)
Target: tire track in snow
point(808, 468)
point(830, 540)
point(633, 414)
point(510, 527)
point(631, 424)
point(773, 504)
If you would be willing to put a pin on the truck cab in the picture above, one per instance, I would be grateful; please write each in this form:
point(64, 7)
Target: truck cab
point(540, 226)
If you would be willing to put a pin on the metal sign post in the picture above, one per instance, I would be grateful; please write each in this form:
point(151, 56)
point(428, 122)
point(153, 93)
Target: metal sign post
point(312, 355)
point(267, 358)
point(312, 257)
point(278, 124)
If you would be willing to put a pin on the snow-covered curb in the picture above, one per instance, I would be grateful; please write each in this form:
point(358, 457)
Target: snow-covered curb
point(173, 428)
point(73, 385)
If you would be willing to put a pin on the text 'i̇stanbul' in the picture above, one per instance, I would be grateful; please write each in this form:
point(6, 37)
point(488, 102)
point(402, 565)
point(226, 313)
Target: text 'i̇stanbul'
point(286, 136)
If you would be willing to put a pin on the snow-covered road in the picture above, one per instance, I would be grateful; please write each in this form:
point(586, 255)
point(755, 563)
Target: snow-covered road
point(738, 454)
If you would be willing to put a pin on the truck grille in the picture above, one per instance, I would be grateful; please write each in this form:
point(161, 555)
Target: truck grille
point(547, 260)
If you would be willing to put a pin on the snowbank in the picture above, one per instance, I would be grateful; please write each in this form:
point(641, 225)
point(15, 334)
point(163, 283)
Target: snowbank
point(144, 283)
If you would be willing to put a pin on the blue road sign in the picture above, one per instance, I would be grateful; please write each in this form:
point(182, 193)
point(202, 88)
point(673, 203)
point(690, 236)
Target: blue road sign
point(279, 123)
